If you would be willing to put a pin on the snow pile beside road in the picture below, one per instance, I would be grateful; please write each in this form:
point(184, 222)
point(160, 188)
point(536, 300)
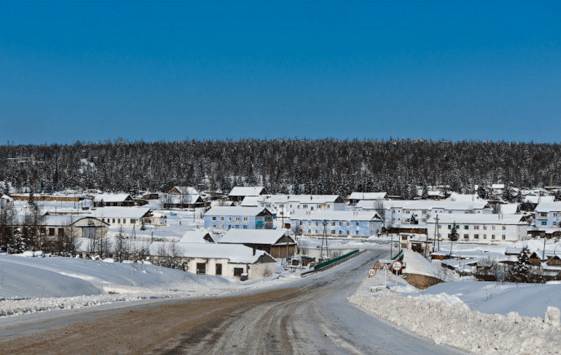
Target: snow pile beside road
point(447, 320)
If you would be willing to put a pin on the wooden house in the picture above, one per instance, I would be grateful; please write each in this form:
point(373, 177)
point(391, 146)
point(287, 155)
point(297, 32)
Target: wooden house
point(276, 242)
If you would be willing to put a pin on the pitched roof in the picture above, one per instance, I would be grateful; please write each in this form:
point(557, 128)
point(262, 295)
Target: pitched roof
point(548, 207)
point(120, 212)
point(112, 197)
point(186, 190)
point(63, 220)
point(368, 195)
point(235, 211)
point(237, 254)
point(253, 236)
point(247, 191)
point(196, 236)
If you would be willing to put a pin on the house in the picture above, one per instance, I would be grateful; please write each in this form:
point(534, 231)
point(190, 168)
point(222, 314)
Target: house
point(183, 201)
point(80, 226)
point(113, 200)
point(238, 217)
point(337, 223)
point(238, 193)
point(184, 190)
point(151, 196)
point(480, 227)
point(127, 217)
point(276, 242)
point(548, 215)
point(356, 197)
point(197, 236)
point(225, 260)
point(286, 205)
point(6, 200)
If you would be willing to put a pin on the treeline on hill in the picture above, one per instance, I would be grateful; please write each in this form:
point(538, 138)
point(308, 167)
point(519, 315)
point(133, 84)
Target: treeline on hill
point(326, 166)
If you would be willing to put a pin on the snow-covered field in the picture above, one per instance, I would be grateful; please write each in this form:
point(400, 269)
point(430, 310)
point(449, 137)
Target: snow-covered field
point(39, 284)
point(481, 317)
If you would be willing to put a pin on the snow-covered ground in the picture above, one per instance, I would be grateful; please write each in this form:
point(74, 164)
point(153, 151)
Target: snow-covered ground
point(39, 284)
point(481, 317)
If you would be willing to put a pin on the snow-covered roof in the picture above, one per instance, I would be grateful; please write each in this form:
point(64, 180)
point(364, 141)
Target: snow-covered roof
point(434, 204)
point(253, 236)
point(367, 195)
point(310, 199)
point(6, 197)
point(238, 254)
point(477, 218)
point(539, 199)
point(454, 196)
point(250, 201)
point(120, 212)
point(185, 190)
point(182, 199)
point(548, 207)
point(235, 211)
point(336, 215)
point(196, 236)
point(246, 191)
point(62, 220)
point(112, 197)
point(509, 208)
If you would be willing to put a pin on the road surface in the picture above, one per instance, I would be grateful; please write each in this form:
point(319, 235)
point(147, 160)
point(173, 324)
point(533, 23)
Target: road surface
point(310, 316)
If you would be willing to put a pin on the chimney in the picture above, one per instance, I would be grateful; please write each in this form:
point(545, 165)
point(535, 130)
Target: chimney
point(253, 250)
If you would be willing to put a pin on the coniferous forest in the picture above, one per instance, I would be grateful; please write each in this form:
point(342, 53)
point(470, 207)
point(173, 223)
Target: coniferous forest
point(298, 166)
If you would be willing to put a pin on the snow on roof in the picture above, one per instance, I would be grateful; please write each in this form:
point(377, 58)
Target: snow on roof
point(509, 208)
point(498, 186)
point(238, 254)
point(186, 190)
point(548, 207)
point(336, 215)
point(311, 199)
point(433, 204)
point(477, 218)
point(112, 197)
point(539, 199)
point(367, 195)
point(62, 220)
point(120, 212)
point(7, 198)
point(182, 199)
point(454, 196)
point(246, 191)
point(235, 211)
point(196, 236)
point(416, 264)
point(253, 236)
point(250, 201)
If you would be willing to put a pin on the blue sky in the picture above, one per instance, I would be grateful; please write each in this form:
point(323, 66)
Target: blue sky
point(168, 70)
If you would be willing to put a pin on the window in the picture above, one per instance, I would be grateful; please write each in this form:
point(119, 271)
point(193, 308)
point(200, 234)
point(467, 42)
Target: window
point(229, 219)
point(466, 227)
point(449, 226)
point(218, 269)
point(60, 232)
point(214, 218)
point(544, 223)
point(543, 214)
point(403, 237)
point(245, 226)
point(484, 236)
point(201, 268)
point(504, 237)
point(333, 224)
point(466, 236)
point(407, 212)
point(504, 227)
point(119, 221)
point(333, 232)
point(493, 227)
point(221, 218)
point(51, 232)
point(237, 219)
point(348, 224)
point(476, 236)
point(245, 219)
point(492, 236)
point(304, 206)
point(348, 232)
point(340, 232)
point(113, 220)
point(340, 224)
point(133, 221)
point(309, 231)
point(214, 226)
point(238, 271)
point(484, 227)
point(356, 233)
point(475, 227)
point(317, 223)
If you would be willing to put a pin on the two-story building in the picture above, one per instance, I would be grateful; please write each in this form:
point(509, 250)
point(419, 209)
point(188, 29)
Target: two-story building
point(286, 205)
point(548, 215)
point(479, 227)
point(337, 223)
point(225, 218)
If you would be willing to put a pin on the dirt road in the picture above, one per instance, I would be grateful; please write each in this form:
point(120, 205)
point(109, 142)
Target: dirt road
point(312, 317)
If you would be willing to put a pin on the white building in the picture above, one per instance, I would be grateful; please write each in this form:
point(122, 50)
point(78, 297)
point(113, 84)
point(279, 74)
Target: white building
point(286, 205)
point(479, 227)
point(127, 216)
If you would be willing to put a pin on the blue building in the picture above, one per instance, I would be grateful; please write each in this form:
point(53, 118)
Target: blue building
point(338, 223)
point(238, 218)
point(548, 215)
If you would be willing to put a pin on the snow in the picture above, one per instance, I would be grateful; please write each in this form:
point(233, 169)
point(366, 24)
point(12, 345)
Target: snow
point(480, 317)
point(253, 236)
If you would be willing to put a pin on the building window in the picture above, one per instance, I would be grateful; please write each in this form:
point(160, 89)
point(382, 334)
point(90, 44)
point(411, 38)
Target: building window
point(504, 227)
point(201, 268)
point(333, 232)
point(340, 232)
point(238, 271)
point(333, 224)
point(113, 220)
point(484, 227)
point(133, 221)
point(214, 218)
point(466, 227)
point(309, 231)
point(504, 237)
point(317, 223)
point(221, 218)
point(466, 236)
point(492, 236)
point(51, 232)
point(356, 233)
point(214, 226)
point(245, 219)
point(484, 236)
point(544, 223)
point(449, 226)
point(245, 226)
point(493, 227)
point(475, 227)
point(476, 236)
point(348, 232)
point(218, 269)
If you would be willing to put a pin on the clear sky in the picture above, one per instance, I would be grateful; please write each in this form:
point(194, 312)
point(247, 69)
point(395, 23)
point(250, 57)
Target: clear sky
point(171, 70)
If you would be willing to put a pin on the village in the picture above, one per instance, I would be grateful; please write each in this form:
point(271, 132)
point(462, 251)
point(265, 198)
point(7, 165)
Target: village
point(246, 233)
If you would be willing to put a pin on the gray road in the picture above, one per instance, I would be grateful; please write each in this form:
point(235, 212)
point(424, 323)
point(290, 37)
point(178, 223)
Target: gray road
point(313, 316)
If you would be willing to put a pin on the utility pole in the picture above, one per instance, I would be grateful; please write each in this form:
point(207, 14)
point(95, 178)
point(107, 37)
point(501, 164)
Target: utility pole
point(436, 233)
point(324, 240)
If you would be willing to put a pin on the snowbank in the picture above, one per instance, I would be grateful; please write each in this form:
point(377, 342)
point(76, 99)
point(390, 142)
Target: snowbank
point(447, 320)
